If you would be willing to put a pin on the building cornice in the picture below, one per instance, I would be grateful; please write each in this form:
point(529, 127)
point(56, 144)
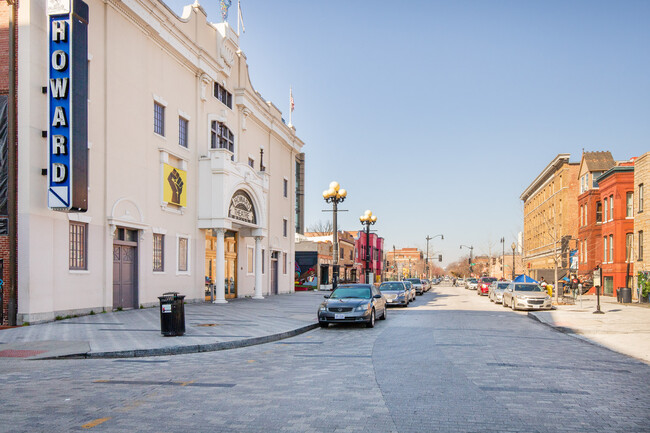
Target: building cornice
point(545, 175)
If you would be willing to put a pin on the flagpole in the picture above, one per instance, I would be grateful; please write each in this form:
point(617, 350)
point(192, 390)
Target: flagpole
point(238, 16)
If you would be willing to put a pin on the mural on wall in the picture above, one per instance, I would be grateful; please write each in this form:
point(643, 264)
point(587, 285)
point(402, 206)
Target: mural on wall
point(174, 181)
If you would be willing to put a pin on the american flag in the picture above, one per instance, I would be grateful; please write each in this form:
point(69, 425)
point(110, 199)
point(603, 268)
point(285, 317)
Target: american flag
point(291, 99)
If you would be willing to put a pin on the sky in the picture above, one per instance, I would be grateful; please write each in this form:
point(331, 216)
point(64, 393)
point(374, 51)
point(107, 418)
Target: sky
point(436, 115)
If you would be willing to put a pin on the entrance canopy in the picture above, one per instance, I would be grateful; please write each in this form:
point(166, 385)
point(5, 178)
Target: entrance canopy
point(524, 279)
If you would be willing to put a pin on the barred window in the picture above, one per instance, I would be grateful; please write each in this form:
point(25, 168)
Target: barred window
point(286, 188)
point(182, 254)
point(182, 132)
point(158, 252)
point(78, 246)
point(158, 119)
point(640, 244)
point(284, 228)
point(221, 137)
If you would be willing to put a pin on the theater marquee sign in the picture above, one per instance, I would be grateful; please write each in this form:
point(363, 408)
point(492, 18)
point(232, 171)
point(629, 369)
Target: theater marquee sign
point(241, 208)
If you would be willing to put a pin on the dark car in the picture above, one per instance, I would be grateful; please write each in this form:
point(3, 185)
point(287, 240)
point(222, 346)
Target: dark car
point(396, 293)
point(352, 303)
point(483, 287)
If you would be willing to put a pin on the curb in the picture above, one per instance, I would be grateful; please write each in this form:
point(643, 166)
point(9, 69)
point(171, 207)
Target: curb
point(195, 348)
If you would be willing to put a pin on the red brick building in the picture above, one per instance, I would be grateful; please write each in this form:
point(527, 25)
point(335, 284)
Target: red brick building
point(376, 257)
point(589, 244)
point(617, 196)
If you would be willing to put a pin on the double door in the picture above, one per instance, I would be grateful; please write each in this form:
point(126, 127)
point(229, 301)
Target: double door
point(125, 269)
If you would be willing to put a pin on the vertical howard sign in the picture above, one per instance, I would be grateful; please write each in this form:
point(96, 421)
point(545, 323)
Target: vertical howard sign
point(68, 106)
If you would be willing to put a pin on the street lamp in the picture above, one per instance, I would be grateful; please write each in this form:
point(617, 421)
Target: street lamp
point(513, 246)
point(395, 265)
point(335, 195)
point(368, 219)
point(471, 251)
point(503, 258)
point(428, 238)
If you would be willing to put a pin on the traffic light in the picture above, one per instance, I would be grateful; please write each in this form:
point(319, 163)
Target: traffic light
point(469, 261)
point(440, 257)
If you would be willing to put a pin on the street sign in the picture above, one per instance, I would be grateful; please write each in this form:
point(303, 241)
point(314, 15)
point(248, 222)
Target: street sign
point(597, 277)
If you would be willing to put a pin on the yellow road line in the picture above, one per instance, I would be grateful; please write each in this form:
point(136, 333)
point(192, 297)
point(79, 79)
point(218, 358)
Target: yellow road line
point(186, 383)
point(94, 423)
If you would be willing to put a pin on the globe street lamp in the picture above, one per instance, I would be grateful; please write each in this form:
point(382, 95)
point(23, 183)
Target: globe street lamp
point(513, 246)
point(471, 251)
point(368, 219)
point(503, 258)
point(335, 195)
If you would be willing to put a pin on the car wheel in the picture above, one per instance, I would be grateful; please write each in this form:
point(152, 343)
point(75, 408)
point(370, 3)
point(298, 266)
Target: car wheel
point(513, 304)
point(323, 324)
point(383, 317)
point(371, 323)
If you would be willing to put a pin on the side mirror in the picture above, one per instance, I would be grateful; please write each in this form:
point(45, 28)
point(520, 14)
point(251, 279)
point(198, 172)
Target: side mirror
point(326, 296)
point(377, 296)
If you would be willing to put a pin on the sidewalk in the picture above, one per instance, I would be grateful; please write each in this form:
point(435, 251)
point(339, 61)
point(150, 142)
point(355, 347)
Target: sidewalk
point(624, 328)
point(134, 333)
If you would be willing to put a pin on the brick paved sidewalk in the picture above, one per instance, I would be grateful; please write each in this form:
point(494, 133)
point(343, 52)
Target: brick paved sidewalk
point(624, 328)
point(240, 322)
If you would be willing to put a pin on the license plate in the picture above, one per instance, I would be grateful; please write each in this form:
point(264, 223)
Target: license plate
point(339, 316)
point(389, 300)
point(536, 306)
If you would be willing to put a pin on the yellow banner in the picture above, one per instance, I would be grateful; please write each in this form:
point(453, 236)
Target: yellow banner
point(175, 185)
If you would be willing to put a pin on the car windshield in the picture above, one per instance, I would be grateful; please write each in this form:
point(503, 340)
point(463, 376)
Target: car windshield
point(351, 292)
point(415, 280)
point(489, 280)
point(527, 288)
point(392, 286)
point(472, 280)
point(502, 285)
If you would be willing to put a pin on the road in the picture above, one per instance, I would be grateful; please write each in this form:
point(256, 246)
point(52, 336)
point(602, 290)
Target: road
point(450, 362)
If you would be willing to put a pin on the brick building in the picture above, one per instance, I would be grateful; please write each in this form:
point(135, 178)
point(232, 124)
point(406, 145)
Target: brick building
point(404, 263)
point(369, 255)
point(550, 218)
point(641, 201)
point(617, 195)
point(589, 243)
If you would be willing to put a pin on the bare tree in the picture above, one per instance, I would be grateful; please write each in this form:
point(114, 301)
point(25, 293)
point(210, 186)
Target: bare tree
point(320, 227)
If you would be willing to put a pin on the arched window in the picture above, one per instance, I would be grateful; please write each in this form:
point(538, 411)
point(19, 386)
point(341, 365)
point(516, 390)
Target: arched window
point(221, 137)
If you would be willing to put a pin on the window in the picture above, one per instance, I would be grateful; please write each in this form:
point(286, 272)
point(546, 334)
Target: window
point(286, 188)
point(629, 242)
point(640, 197)
point(284, 263)
point(284, 228)
point(640, 245)
point(611, 207)
point(251, 162)
point(596, 175)
point(223, 95)
point(78, 246)
point(586, 220)
point(584, 245)
point(221, 137)
point(604, 249)
point(158, 119)
point(182, 254)
point(158, 252)
point(250, 252)
point(611, 248)
point(582, 216)
point(629, 203)
point(599, 212)
point(606, 207)
point(182, 132)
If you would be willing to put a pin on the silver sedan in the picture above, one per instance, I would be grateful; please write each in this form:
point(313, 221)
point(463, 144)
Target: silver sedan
point(495, 292)
point(526, 296)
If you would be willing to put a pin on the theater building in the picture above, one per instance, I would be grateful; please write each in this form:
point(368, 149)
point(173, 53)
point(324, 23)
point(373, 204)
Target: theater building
point(192, 176)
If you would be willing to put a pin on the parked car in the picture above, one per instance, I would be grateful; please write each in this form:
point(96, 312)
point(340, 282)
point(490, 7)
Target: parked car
point(497, 288)
point(529, 296)
point(483, 285)
point(460, 282)
point(417, 283)
point(396, 293)
point(412, 291)
point(352, 303)
point(471, 283)
point(426, 283)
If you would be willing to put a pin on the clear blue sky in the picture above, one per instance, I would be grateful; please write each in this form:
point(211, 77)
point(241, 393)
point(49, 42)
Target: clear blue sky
point(436, 115)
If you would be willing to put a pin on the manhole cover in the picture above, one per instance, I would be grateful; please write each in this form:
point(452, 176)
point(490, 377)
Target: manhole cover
point(207, 325)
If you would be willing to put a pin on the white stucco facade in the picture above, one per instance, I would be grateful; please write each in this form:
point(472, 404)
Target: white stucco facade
point(140, 54)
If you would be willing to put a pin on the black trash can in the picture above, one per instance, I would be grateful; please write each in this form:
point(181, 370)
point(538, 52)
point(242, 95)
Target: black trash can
point(626, 295)
point(172, 314)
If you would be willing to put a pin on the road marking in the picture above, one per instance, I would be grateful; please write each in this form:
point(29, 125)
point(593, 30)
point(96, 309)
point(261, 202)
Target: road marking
point(187, 383)
point(250, 361)
point(95, 423)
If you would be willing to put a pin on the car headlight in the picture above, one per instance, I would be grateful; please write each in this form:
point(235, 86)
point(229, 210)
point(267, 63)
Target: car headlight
point(362, 307)
point(323, 308)
point(401, 295)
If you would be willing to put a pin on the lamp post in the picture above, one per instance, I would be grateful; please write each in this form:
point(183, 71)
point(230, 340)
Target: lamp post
point(368, 219)
point(513, 246)
point(471, 251)
point(503, 257)
point(428, 238)
point(335, 195)
point(395, 265)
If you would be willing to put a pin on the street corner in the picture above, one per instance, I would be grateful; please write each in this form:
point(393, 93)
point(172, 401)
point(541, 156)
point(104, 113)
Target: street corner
point(35, 350)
